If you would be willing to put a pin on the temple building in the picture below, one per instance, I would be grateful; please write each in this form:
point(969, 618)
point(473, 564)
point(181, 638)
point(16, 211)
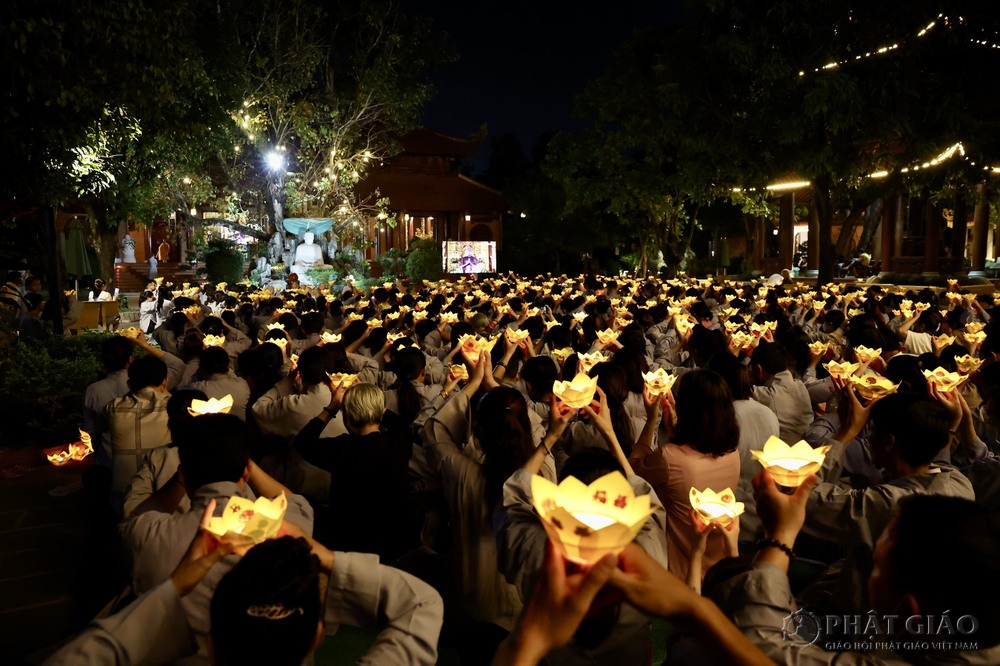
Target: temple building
point(428, 194)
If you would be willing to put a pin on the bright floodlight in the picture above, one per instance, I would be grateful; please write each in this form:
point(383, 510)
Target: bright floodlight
point(275, 161)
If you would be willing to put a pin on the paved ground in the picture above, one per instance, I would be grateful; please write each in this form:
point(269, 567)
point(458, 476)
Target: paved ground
point(53, 569)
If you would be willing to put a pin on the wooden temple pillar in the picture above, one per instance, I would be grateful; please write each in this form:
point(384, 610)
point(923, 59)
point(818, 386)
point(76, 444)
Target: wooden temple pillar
point(758, 244)
point(980, 233)
point(889, 212)
point(812, 265)
point(932, 241)
point(786, 230)
point(959, 228)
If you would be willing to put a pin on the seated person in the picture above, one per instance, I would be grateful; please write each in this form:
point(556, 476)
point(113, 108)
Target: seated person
point(288, 592)
point(907, 435)
point(776, 388)
point(218, 381)
point(368, 467)
point(214, 466)
point(137, 423)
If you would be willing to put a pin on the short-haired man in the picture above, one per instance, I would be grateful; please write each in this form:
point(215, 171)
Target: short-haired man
point(776, 388)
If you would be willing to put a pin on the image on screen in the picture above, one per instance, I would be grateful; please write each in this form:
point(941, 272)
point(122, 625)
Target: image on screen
point(469, 256)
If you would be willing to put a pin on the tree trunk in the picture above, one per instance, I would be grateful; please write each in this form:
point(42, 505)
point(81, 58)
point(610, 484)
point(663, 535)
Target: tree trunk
point(103, 238)
point(276, 204)
point(824, 208)
point(847, 229)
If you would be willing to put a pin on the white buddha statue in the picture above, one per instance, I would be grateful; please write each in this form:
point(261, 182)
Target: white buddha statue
point(308, 256)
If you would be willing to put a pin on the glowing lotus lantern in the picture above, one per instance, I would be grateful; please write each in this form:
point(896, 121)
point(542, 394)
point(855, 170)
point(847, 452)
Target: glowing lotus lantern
point(342, 379)
point(132, 332)
point(551, 324)
point(872, 386)
point(355, 316)
point(70, 293)
point(615, 302)
point(652, 303)
point(674, 310)
point(968, 363)
point(275, 327)
point(562, 354)
point(474, 346)
point(392, 337)
point(607, 337)
point(866, 355)
point(976, 338)
point(79, 451)
point(214, 340)
point(192, 310)
point(329, 338)
point(588, 361)
point(387, 285)
point(953, 284)
point(817, 305)
point(587, 522)
point(712, 507)
point(943, 380)
point(577, 393)
point(418, 315)
point(943, 340)
point(281, 342)
point(974, 327)
point(158, 280)
point(622, 322)
point(449, 318)
point(855, 312)
point(589, 299)
point(819, 348)
point(732, 326)
point(659, 382)
point(740, 340)
point(683, 324)
point(374, 322)
point(458, 371)
point(953, 296)
point(59, 458)
point(728, 312)
point(244, 522)
point(211, 406)
point(842, 370)
point(790, 465)
point(920, 307)
point(579, 316)
point(516, 337)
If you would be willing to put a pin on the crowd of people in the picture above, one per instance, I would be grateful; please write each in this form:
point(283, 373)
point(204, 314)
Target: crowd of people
point(403, 426)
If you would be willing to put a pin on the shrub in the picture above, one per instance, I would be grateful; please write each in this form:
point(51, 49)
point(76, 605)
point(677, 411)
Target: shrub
point(424, 262)
point(44, 381)
point(224, 262)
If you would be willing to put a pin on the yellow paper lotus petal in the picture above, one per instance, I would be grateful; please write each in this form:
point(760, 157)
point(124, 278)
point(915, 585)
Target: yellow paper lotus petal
point(458, 371)
point(873, 386)
point(562, 354)
point(587, 522)
point(132, 332)
point(275, 327)
point(728, 312)
point(944, 340)
point(516, 337)
point(920, 307)
point(475, 346)
point(732, 326)
point(944, 381)
point(244, 522)
point(588, 361)
point(342, 378)
point(607, 337)
point(652, 303)
point(659, 382)
point(211, 406)
point(790, 465)
point(819, 348)
point(865, 354)
point(214, 340)
point(551, 324)
point(193, 310)
point(374, 322)
point(418, 315)
point(70, 293)
point(712, 507)
point(968, 363)
point(577, 393)
point(974, 327)
point(355, 316)
point(953, 296)
point(449, 318)
point(579, 316)
point(330, 338)
point(844, 369)
point(953, 284)
point(622, 322)
point(976, 338)
point(740, 340)
point(158, 280)
point(281, 342)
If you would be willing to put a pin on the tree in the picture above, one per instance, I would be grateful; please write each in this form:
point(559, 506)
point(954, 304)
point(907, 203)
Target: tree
point(330, 87)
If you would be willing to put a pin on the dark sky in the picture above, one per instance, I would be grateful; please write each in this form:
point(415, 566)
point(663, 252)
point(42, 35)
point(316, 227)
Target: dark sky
point(521, 63)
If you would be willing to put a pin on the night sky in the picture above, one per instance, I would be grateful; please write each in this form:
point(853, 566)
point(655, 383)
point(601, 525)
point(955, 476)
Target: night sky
point(521, 63)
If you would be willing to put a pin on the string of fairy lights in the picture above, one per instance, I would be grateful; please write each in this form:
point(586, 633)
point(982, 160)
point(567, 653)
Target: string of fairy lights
point(948, 154)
